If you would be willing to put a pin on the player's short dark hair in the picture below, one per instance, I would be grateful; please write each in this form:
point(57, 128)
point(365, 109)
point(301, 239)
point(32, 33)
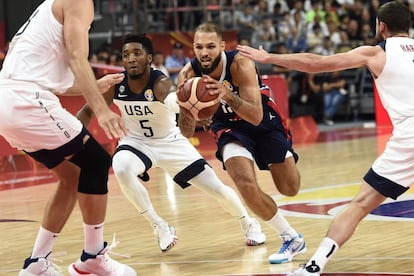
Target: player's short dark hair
point(210, 27)
point(143, 39)
point(396, 16)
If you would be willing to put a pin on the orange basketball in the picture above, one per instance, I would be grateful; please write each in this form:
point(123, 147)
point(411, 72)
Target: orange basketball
point(195, 97)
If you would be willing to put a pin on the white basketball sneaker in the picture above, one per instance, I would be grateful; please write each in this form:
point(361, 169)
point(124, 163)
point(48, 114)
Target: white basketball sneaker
point(165, 235)
point(99, 265)
point(39, 267)
point(253, 232)
point(290, 248)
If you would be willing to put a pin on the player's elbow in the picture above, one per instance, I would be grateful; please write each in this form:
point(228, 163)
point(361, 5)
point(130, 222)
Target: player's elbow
point(256, 122)
point(257, 117)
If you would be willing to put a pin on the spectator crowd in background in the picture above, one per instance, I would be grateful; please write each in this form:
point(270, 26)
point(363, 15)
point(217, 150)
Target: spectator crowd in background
point(280, 26)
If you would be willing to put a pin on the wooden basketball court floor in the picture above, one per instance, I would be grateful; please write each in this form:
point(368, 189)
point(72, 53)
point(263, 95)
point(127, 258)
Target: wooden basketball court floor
point(331, 163)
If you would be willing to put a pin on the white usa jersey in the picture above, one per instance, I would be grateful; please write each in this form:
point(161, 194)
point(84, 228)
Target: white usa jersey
point(144, 115)
point(37, 53)
point(396, 82)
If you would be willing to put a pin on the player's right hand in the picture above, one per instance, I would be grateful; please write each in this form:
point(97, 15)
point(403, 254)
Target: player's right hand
point(112, 124)
point(108, 81)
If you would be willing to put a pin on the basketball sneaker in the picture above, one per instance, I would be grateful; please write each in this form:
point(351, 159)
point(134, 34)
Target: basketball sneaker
point(290, 248)
point(165, 235)
point(39, 267)
point(310, 270)
point(253, 232)
point(100, 264)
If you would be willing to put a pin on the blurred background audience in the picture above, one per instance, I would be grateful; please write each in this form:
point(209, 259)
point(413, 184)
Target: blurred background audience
point(280, 26)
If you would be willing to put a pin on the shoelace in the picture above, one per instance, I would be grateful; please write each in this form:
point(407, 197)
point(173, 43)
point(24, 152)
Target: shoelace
point(110, 264)
point(254, 227)
point(114, 244)
point(287, 243)
point(51, 265)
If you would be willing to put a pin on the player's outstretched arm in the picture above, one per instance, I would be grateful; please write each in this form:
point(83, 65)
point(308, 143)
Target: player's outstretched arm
point(104, 84)
point(371, 56)
point(77, 17)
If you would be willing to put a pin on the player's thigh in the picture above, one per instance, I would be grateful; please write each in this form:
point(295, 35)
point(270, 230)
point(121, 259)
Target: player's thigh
point(396, 162)
point(135, 155)
point(175, 156)
point(242, 172)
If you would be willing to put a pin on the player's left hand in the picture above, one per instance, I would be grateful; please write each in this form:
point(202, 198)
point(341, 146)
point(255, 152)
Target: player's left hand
point(215, 87)
point(108, 81)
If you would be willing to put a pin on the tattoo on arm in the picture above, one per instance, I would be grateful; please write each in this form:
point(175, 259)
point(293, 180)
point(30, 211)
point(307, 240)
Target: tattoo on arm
point(235, 102)
point(186, 124)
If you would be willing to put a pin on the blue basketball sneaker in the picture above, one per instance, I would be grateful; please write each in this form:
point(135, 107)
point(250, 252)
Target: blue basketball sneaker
point(290, 248)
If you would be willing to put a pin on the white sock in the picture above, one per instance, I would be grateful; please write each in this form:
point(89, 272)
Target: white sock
point(325, 251)
point(281, 225)
point(44, 243)
point(94, 240)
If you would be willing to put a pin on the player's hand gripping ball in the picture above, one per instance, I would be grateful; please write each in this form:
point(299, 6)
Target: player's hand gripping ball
point(195, 97)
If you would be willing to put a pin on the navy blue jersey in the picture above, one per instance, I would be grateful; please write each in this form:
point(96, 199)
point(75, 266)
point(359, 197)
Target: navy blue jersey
point(269, 141)
point(122, 91)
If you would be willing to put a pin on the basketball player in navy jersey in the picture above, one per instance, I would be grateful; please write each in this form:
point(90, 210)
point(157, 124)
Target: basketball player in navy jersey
point(48, 56)
point(149, 110)
point(391, 64)
point(248, 128)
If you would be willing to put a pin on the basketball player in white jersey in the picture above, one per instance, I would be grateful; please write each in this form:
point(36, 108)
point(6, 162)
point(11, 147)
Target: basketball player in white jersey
point(149, 110)
point(47, 56)
point(391, 64)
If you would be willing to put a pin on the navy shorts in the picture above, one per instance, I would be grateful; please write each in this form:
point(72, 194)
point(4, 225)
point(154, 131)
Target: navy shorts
point(268, 142)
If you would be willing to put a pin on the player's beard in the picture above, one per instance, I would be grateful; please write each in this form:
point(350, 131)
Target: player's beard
point(378, 37)
point(209, 70)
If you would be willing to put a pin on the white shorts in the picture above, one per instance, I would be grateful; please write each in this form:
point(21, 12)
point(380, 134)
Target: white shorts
point(396, 163)
point(172, 154)
point(32, 118)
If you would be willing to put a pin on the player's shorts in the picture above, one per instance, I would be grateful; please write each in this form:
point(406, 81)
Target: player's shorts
point(393, 171)
point(267, 148)
point(269, 143)
point(33, 119)
point(173, 153)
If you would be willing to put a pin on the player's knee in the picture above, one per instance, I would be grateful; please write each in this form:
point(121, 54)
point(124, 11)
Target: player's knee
point(119, 169)
point(288, 186)
point(127, 168)
point(246, 183)
point(248, 189)
point(94, 163)
point(289, 189)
